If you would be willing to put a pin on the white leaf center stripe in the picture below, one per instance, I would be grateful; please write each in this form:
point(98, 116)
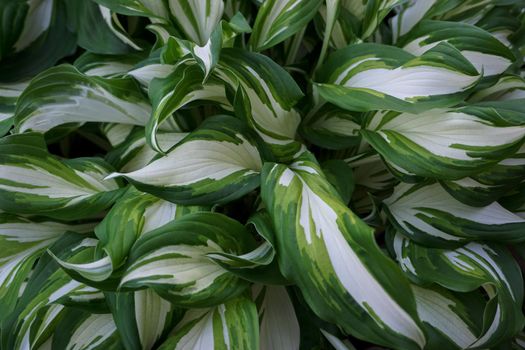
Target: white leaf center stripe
point(210, 160)
point(436, 310)
point(177, 265)
point(411, 82)
point(200, 336)
point(444, 132)
point(38, 181)
point(350, 270)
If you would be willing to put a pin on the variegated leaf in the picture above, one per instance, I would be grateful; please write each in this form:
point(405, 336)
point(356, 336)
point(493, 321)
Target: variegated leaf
point(63, 95)
point(450, 321)
point(225, 165)
point(136, 153)
point(279, 19)
point(181, 87)
point(468, 268)
point(232, 325)
point(155, 9)
point(486, 53)
point(428, 214)
point(333, 128)
point(32, 181)
point(47, 285)
point(327, 250)
point(23, 241)
point(367, 77)
point(107, 66)
point(279, 327)
point(197, 18)
point(9, 93)
point(265, 95)
point(172, 260)
point(142, 318)
point(445, 143)
point(35, 36)
point(80, 330)
point(508, 87)
point(133, 215)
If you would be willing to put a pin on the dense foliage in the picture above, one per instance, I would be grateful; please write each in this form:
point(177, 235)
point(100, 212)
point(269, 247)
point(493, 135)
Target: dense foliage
point(262, 174)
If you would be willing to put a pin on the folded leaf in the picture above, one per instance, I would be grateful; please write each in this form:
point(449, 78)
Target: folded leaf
point(265, 95)
point(155, 9)
point(35, 36)
point(9, 93)
point(47, 285)
point(23, 241)
point(83, 330)
point(279, 326)
point(452, 322)
point(182, 86)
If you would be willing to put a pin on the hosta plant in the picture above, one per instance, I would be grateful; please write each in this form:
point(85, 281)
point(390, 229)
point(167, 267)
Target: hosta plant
point(262, 174)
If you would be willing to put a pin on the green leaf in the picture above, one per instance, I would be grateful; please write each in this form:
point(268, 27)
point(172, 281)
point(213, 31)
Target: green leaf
point(327, 250)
